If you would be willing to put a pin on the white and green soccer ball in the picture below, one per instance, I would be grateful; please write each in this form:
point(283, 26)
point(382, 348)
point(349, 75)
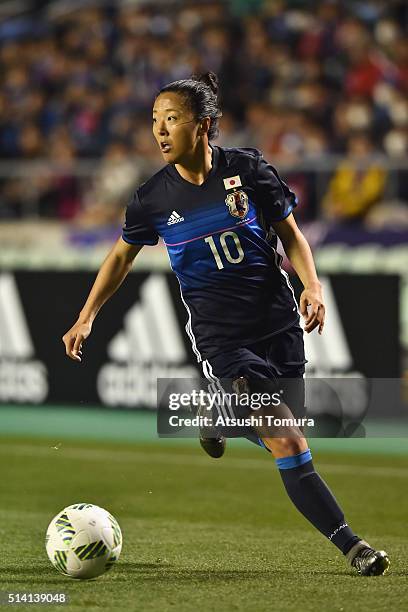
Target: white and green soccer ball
point(83, 541)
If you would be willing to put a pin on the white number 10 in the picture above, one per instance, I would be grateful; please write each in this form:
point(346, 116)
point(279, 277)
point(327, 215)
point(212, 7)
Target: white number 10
point(223, 241)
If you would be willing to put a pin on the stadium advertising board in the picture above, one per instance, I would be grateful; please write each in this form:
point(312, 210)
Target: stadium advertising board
point(139, 336)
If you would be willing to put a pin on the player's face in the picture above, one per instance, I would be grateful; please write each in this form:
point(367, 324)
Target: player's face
point(174, 127)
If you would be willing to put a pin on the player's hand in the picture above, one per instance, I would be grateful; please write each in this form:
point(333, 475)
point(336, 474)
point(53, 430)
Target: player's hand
point(312, 308)
point(74, 338)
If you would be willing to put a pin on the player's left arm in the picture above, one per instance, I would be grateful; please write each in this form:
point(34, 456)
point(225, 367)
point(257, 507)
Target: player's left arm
point(300, 255)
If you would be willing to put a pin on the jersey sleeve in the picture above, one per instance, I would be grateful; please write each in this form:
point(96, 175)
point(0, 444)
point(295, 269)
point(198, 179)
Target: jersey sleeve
point(273, 196)
point(137, 228)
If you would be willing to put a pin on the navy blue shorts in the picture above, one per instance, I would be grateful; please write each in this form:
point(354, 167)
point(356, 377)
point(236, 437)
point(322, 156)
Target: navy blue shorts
point(281, 355)
point(276, 363)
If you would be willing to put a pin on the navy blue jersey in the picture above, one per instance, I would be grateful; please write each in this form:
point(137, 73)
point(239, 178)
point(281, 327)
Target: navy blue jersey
point(221, 246)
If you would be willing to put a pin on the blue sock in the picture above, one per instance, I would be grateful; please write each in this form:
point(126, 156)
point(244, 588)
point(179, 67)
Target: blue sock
point(313, 498)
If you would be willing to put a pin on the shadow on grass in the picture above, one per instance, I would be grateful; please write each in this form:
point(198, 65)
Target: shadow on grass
point(27, 576)
point(164, 571)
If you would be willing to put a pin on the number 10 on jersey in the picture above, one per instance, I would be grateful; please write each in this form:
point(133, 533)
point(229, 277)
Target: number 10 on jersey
point(230, 257)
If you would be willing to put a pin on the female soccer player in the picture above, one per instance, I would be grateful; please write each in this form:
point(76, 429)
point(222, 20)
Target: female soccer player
point(218, 212)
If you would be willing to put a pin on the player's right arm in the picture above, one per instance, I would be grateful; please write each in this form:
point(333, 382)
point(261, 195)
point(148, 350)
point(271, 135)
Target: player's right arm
point(111, 274)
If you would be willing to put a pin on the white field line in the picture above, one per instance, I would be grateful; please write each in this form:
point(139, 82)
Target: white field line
point(185, 459)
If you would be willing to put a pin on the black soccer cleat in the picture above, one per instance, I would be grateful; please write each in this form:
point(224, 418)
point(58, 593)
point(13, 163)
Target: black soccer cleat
point(215, 447)
point(212, 442)
point(367, 561)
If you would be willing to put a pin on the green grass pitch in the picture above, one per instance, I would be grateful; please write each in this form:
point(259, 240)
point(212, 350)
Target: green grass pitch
point(199, 534)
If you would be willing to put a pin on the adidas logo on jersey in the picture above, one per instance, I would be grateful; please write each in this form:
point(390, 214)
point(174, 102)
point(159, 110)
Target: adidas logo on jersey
point(174, 218)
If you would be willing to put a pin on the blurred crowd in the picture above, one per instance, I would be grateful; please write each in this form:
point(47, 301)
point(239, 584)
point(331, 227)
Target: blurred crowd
point(301, 80)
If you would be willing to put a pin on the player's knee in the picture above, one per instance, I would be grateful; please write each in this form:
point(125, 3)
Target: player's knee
point(240, 386)
point(287, 447)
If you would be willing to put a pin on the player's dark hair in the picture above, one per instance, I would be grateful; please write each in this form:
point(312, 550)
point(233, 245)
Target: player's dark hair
point(201, 95)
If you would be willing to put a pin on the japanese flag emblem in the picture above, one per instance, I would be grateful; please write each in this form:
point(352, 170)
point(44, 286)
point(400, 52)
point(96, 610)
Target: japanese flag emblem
point(233, 182)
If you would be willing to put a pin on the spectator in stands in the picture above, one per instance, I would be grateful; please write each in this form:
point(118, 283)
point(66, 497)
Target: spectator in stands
point(357, 184)
point(117, 177)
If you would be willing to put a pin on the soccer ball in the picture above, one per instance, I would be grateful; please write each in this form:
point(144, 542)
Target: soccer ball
point(83, 541)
